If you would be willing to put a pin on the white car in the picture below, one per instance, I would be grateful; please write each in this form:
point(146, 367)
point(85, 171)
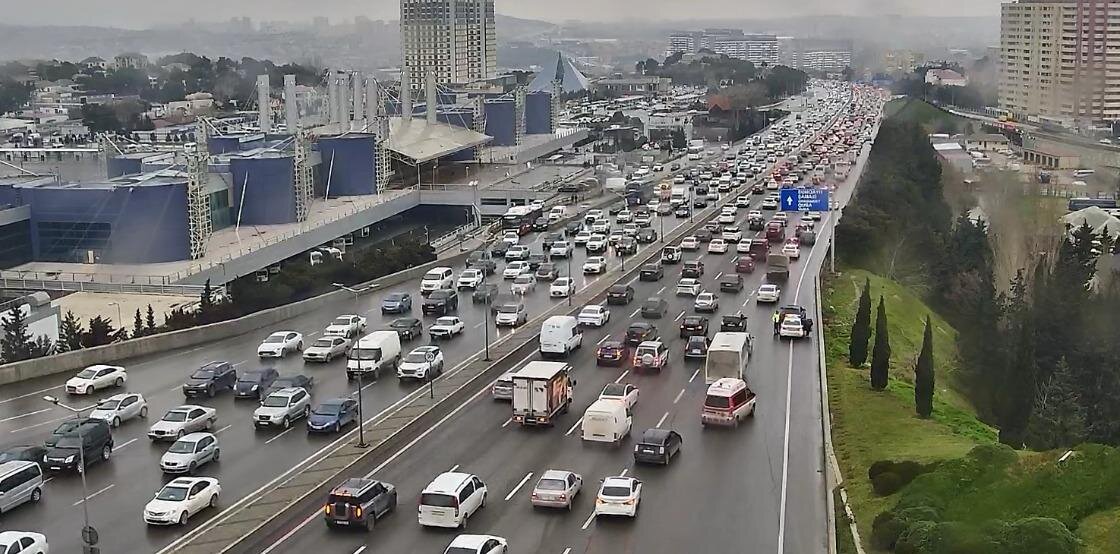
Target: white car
point(717, 246)
point(690, 243)
point(422, 362)
point(29, 543)
point(278, 344)
point(560, 249)
point(781, 217)
point(726, 218)
point(597, 243)
point(470, 279)
point(743, 247)
point(348, 325)
point(183, 420)
point(524, 284)
point(593, 315)
point(769, 293)
point(446, 327)
point(556, 488)
point(625, 216)
point(120, 407)
point(594, 215)
point(181, 498)
point(792, 327)
point(582, 237)
point(626, 393)
point(283, 407)
point(517, 252)
point(513, 269)
point(618, 496)
point(96, 377)
point(477, 544)
point(706, 302)
point(562, 287)
point(595, 264)
point(812, 216)
point(732, 234)
point(601, 226)
point(755, 214)
point(511, 237)
point(743, 202)
point(630, 229)
point(688, 287)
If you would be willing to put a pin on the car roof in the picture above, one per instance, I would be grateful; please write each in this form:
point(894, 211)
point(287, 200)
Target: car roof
point(189, 481)
point(470, 541)
point(655, 434)
point(286, 391)
point(186, 407)
point(195, 437)
point(103, 366)
point(447, 481)
point(353, 486)
point(620, 481)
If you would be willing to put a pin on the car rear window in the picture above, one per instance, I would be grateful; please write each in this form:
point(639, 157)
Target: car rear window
point(438, 500)
point(718, 402)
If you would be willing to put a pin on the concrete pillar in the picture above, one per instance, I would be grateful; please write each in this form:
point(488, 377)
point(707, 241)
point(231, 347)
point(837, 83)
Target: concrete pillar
point(291, 108)
point(264, 109)
point(406, 93)
point(359, 103)
point(432, 99)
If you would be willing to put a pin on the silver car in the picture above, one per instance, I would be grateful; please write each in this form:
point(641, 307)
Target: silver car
point(181, 421)
point(557, 489)
point(326, 349)
point(190, 452)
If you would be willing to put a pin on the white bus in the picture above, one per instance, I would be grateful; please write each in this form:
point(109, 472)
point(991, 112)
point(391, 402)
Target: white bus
point(728, 356)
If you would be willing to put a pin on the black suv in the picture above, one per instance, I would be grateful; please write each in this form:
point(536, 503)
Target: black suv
point(693, 269)
point(620, 294)
point(67, 427)
point(359, 502)
point(95, 442)
point(407, 327)
point(731, 282)
point(485, 293)
point(651, 272)
point(654, 308)
point(209, 379)
point(640, 332)
point(441, 302)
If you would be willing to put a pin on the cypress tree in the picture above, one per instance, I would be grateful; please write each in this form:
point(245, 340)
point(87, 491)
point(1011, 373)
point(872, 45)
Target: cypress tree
point(16, 343)
point(150, 321)
point(861, 328)
point(70, 333)
point(881, 352)
point(923, 375)
point(137, 325)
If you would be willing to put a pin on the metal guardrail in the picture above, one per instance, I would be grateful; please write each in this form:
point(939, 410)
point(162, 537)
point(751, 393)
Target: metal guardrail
point(84, 286)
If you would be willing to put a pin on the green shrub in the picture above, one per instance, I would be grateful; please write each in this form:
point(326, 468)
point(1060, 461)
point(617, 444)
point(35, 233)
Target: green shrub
point(1040, 535)
point(886, 483)
point(888, 477)
point(891, 524)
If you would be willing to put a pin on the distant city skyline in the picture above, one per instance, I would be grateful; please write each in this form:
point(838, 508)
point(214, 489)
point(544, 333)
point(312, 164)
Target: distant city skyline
point(143, 13)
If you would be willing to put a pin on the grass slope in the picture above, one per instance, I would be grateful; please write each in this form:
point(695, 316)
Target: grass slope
point(868, 426)
point(923, 113)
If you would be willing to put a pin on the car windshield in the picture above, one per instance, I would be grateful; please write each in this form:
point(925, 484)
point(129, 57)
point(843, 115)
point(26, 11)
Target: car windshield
point(110, 404)
point(614, 389)
point(395, 297)
point(611, 490)
point(341, 321)
point(181, 447)
point(328, 409)
point(273, 339)
point(172, 494)
point(275, 401)
point(203, 374)
point(177, 415)
point(416, 357)
point(552, 485)
point(69, 441)
point(448, 321)
point(323, 343)
point(508, 308)
point(87, 374)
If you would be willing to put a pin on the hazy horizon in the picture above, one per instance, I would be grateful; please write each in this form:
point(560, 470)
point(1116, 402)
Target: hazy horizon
point(137, 14)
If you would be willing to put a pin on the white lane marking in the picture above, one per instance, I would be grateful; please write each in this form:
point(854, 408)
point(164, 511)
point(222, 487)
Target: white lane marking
point(360, 549)
point(622, 376)
point(519, 485)
point(28, 414)
point(662, 420)
point(587, 522)
point(123, 444)
point(632, 314)
point(604, 339)
point(679, 395)
point(280, 435)
point(453, 468)
point(631, 281)
point(718, 275)
point(679, 316)
point(34, 393)
point(479, 325)
point(694, 374)
point(660, 290)
point(567, 550)
point(93, 494)
point(223, 429)
point(47, 422)
point(507, 422)
point(573, 428)
point(625, 470)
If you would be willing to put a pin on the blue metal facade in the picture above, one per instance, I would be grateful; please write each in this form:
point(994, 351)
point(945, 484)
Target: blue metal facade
point(123, 165)
point(500, 122)
point(538, 113)
point(459, 117)
point(223, 144)
point(262, 192)
point(144, 223)
point(348, 164)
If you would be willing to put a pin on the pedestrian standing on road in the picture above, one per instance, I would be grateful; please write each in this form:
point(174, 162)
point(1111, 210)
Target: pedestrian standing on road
point(777, 321)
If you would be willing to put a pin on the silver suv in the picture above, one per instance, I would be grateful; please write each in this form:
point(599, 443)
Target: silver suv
point(282, 408)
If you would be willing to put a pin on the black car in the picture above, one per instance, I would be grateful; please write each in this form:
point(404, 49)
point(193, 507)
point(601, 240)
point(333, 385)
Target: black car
point(540, 224)
point(654, 308)
point(675, 167)
point(700, 202)
point(703, 235)
point(646, 235)
point(407, 327)
point(616, 208)
point(620, 294)
point(657, 446)
point(95, 443)
point(499, 249)
point(209, 379)
point(441, 302)
point(697, 347)
point(731, 282)
point(612, 353)
point(548, 239)
point(682, 212)
point(573, 227)
point(651, 272)
point(358, 502)
point(23, 453)
point(547, 272)
point(251, 384)
point(692, 269)
point(735, 323)
point(484, 293)
point(535, 260)
point(758, 189)
point(693, 325)
point(626, 247)
point(298, 381)
point(701, 190)
point(639, 332)
point(398, 302)
point(67, 427)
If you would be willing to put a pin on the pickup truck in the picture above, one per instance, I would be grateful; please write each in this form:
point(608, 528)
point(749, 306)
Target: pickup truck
point(777, 269)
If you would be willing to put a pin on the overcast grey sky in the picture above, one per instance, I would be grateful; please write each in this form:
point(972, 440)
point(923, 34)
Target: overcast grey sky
point(143, 13)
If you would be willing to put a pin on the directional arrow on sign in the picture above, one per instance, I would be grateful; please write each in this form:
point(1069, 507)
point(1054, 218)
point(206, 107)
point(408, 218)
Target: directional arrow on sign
point(790, 199)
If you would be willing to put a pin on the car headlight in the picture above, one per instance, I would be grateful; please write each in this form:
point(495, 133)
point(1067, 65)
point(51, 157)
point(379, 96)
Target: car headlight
point(253, 388)
point(70, 459)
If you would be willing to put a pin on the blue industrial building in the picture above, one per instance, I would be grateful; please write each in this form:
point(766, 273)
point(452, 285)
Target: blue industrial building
point(262, 192)
point(538, 113)
point(348, 164)
point(501, 118)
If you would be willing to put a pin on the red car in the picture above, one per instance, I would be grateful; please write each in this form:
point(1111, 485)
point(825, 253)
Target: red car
point(744, 264)
point(612, 353)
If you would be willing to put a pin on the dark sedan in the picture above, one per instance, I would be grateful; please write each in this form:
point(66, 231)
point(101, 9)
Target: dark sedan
point(612, 353)
point(694, 325)
point(396, 303)
point(620, 294)
point(298, 381)
point(697, 347)
point(547, 272)
point(485, 293)
point(731, 282)
point(657, 446)
point(639, 332)
point(682, 212)
point(252, 383)
point(651, 272)
point(332, 415)
point(407, 327)
point(23, 453)
point(646, 236)
point(654, 308)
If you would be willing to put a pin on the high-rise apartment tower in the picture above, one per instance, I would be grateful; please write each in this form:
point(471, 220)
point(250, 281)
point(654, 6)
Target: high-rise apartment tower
point(453, 38)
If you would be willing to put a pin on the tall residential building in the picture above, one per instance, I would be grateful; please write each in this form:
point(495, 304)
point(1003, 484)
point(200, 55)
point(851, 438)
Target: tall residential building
point(685, 42)
point(454, 38)
point(1059, 58)
point(757, 49)
point(816, 54)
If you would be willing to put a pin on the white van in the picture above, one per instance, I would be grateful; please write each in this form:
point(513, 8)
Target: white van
point(376, 352)
point(560, 334)
point(20, 481)
point(1083, 172)
point(450, 499)
point(437, 278)
point(606, 421)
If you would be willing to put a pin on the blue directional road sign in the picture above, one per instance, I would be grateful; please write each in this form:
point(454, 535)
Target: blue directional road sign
point(803, 200)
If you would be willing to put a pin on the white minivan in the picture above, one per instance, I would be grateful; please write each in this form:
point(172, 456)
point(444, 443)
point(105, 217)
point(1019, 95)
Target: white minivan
point(20, 481)
point(437, 278)
point(376, 352)
point(606, 421)
point(450, 499)
point(560, 334)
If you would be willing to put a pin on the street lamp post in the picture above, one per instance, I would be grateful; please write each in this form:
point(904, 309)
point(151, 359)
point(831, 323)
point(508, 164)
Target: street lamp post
point(89, 534)
point(361, 412)
point(571, 278)
point(486, 331)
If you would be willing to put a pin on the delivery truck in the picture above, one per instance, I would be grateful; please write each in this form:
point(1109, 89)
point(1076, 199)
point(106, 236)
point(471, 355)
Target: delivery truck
point(728, 356)
point(541, 391)
point(777, 268)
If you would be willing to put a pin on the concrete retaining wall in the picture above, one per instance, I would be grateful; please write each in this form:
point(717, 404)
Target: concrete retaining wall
point(166, 342)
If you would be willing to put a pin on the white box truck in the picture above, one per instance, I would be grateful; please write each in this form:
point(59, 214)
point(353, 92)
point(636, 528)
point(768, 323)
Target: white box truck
point(679, 195)
point(728, 356)
point(541, 391)
point(376, 352)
